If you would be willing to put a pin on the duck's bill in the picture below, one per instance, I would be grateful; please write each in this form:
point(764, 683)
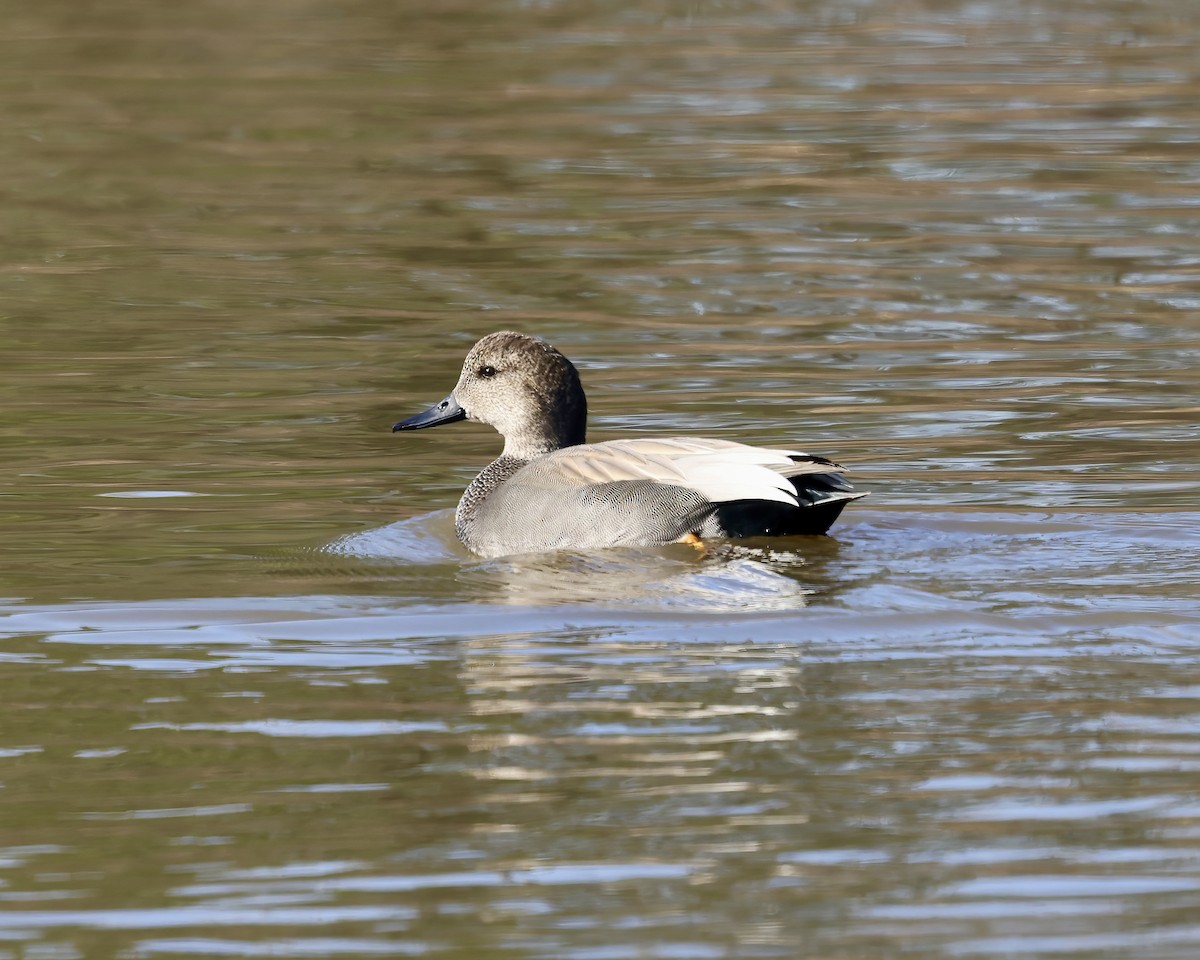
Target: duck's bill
point(448, 411)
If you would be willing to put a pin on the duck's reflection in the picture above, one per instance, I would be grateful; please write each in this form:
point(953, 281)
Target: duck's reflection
point(766, 574)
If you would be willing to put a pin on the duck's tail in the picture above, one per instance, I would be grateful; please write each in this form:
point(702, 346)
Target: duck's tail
point(823, 491)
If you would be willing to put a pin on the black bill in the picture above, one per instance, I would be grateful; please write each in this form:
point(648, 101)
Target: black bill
point(448, 411)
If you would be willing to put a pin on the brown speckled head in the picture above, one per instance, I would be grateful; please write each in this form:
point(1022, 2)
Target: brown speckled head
point(527, 390)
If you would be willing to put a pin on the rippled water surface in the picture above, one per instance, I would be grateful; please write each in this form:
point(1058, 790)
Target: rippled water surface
point(256, 700)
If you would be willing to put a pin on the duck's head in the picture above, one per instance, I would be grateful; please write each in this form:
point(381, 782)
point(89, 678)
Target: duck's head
point(521, 386)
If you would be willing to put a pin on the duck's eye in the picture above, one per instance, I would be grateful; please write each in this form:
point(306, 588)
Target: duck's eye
point(487, 372)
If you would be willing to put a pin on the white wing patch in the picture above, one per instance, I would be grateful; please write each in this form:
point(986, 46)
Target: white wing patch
point(720, 482)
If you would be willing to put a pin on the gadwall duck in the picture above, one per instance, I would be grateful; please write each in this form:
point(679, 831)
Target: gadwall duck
point(550, 490)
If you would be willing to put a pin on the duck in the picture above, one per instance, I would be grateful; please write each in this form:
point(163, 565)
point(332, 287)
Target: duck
point(552, 490)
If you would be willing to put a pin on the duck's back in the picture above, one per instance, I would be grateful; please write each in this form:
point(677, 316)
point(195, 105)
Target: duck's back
point(648, 491)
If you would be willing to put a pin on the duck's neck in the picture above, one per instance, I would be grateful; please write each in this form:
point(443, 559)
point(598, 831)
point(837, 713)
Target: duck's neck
point(527, 449)
point(558, 419)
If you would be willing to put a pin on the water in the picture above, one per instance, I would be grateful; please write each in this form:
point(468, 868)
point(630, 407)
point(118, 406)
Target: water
point(258, 702)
